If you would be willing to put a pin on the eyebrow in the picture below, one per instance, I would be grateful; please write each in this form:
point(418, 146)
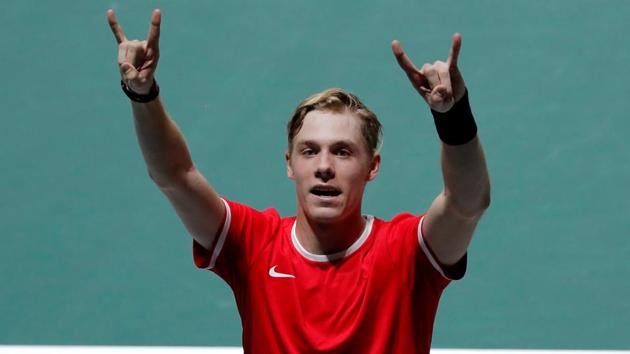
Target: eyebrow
point(334, 144)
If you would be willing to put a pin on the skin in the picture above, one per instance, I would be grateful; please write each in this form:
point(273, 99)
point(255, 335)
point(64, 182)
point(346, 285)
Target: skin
point(440, 84)
point(163, 146)
point(329, 150)
point(454, 214)
point(137, 60)
point(450, 221)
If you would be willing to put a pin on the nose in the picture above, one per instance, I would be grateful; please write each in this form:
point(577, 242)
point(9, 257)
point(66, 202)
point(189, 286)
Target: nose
point(325, 170)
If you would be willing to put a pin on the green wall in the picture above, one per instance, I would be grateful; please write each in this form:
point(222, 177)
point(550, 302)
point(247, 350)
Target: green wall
point(92, 253)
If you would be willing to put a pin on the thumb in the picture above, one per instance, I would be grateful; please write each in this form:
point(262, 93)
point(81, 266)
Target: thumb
point(443, 92)
point(128, 72)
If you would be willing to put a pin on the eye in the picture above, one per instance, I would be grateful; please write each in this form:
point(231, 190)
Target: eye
point(307, 152)
point(343, 152)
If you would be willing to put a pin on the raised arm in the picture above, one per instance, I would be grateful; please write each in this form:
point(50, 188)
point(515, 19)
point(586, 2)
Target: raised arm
point(163, 146)
point(453, 216)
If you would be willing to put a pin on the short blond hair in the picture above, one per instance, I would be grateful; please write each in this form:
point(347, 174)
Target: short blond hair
point(338, 101)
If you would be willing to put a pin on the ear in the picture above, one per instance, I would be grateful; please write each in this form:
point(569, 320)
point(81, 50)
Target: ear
point(287, 158)
point(375, 166)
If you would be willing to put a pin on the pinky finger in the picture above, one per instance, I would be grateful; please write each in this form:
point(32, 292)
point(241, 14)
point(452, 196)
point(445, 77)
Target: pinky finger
point(453, 53)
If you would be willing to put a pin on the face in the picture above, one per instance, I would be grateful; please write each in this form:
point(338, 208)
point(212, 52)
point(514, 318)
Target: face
point(331, 165)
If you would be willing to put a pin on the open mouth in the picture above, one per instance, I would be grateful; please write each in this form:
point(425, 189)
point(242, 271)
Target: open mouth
point(325, 191)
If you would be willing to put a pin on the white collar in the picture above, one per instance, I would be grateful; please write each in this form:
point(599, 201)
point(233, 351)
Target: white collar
point(337, 255)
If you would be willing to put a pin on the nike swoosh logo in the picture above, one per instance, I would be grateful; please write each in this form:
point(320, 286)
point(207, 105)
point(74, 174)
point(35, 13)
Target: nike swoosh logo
point(274, 274)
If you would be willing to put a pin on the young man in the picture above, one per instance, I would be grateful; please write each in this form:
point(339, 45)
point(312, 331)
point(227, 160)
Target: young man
point(329, 280)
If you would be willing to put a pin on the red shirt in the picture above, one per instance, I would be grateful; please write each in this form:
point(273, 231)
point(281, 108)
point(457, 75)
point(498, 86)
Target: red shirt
point(378, 296)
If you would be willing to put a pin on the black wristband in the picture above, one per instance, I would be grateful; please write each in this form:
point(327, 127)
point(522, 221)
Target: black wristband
point(457, 126)
point(136, 97)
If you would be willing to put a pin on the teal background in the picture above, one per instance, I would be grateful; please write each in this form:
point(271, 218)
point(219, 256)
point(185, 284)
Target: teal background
point(92, 253)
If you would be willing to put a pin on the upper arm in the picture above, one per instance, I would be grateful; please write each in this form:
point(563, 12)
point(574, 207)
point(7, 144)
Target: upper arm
point(197, 204)
point(452, 218)
point(447, 231)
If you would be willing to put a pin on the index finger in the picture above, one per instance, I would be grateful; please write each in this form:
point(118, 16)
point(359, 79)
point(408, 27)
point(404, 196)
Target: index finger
point(116, 29)
point(403, 60)
point(453, 53)
point(154, 29)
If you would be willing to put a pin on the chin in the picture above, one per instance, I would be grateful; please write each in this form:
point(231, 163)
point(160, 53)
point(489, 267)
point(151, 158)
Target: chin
point(324, 215)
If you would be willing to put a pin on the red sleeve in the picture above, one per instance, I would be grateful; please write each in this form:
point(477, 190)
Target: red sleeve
point(450, 272)
point(414, 258)
point(245, 232)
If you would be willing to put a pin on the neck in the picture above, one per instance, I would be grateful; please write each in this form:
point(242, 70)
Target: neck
point(329, 238)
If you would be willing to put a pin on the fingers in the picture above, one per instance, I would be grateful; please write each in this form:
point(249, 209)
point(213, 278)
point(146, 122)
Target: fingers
point(439, 95)
point(403, 60)
point(439, 83)
point(447, 83)
point(417, 78)
point(128, 72)
point(430, 71)
point(154, 29)
point(453, 53)
point(122, 53)
point(439, 99)
point(116, 29)
point(437, 75)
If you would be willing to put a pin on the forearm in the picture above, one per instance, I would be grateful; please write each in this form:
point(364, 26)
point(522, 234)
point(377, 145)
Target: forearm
point(162, 144)
point(451, 220)
point(466, 180)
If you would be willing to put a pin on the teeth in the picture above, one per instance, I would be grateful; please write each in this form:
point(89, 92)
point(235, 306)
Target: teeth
point(325, 191)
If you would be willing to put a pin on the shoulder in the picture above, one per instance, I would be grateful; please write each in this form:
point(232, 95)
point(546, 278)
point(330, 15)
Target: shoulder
point(239, 207)
point(242, 217)
point(398, 236)
point(401, 224)
point(245, 233)
point(404, 240)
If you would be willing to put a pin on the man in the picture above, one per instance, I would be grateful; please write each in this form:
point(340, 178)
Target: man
point(330, 279)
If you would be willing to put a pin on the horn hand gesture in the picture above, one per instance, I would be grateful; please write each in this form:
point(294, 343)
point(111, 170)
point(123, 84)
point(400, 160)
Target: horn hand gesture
point(137, 60)
point(440, 84)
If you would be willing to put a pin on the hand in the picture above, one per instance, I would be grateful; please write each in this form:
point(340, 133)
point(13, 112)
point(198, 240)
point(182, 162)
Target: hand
point(137, 60)
point(440, 84)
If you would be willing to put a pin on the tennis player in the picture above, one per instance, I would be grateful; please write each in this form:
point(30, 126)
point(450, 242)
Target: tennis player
point(330, 279)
